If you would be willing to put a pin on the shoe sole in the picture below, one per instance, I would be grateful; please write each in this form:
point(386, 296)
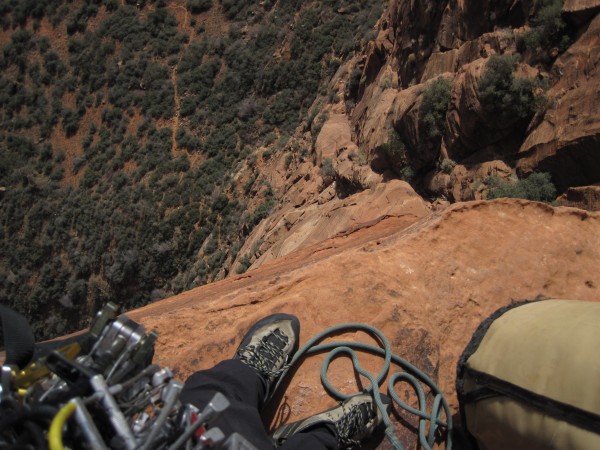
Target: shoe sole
point(295, 323)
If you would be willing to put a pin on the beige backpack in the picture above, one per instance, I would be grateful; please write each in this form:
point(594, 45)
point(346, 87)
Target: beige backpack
point(530, 378)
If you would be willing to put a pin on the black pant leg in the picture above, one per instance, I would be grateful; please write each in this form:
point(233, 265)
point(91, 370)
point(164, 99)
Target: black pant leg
point(245, 390)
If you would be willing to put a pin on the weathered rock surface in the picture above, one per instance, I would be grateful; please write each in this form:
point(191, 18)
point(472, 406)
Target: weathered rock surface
point(419, 41)
point(375, 119)
point(335, 143)
point(471, 128)
point(293, 229)
point(580, 5)
point(567, 142)
point(428, 27)
point(464, 182)
point(584, 197)
point(579, 11)
point(427, 287)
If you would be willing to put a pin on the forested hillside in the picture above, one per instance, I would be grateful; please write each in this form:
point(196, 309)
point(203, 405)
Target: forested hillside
point(129, 132)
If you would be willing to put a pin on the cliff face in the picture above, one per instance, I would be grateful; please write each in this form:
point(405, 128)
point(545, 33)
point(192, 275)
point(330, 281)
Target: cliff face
point(415, 106)
point(419, 42)
point(426, 286)
point(567, 141)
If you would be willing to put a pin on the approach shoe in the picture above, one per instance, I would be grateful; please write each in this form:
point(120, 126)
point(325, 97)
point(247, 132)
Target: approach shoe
point(354, 420)
point(269, 345)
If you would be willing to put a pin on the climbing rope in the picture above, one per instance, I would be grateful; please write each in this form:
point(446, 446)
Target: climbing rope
point(411, 375)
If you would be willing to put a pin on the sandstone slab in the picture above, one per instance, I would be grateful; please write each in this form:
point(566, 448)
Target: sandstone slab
point(294, 229)
point(427, 287)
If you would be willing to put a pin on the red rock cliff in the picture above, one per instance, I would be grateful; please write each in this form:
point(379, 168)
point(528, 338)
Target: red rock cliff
point(426, 286)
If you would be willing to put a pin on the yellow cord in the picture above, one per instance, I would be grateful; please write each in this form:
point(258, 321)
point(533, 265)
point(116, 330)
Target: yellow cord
point(56, 428)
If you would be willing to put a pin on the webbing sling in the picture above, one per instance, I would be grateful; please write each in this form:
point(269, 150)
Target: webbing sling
point(17, 338)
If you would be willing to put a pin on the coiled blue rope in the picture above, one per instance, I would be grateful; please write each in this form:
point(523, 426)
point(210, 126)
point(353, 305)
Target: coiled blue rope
point(411, 375)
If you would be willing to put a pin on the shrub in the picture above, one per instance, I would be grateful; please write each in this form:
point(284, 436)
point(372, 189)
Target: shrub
point(327, 170)
point(549, 29)
point(53, 64)
point(407, 174)
point(261, 212)
point(353, 84)
point(70, 122)
point(506, 96)
point(198, 6)
point(386, 82)
point(395, 147)
point(447, 165)
point(537, 187)
point(244, 264)
point(432, 113)
point(186, 140)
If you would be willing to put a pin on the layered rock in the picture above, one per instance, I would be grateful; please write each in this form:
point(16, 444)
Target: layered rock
point(427, 287)
point(419, 41)
point(429, 27)
point(580, 11)
point(586, 197)
point(567, 141)
point(296, 228)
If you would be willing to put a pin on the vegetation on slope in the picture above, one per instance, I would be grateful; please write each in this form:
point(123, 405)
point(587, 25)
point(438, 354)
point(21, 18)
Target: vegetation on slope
point(121, 127)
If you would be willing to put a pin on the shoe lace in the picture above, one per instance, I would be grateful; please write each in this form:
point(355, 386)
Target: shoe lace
point(265, 356)
point(353, 423)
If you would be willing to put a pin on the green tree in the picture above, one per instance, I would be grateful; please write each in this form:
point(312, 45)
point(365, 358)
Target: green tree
point(505, 95)
point(548, 28)
point(432, 113)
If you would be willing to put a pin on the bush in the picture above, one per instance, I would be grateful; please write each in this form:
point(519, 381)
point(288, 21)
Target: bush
point(353, 85)
point(549, 29)
point(244, 264)
point(504, 95)
point(537, 187)
point(327, 170)
point(70, 122)
point(187, 141)
point(407, 174)
point(395, 147)
point(261, 212)
point(432, 113)
point(447, 165)
point(198, 6)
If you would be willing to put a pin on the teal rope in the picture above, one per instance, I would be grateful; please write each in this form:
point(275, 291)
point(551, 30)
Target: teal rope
point(412, 375)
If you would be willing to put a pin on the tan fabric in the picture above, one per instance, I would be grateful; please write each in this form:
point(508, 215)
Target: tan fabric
point(550, 348)
point(503, 424)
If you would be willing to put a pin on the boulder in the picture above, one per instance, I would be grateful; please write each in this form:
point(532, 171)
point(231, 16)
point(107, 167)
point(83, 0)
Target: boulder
point(352, 172)
point(467, 180)
point(334, 135)
point(465, 20)
point(439, 63)
point(374, 119)
point(465, 113)
point(500, 41)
